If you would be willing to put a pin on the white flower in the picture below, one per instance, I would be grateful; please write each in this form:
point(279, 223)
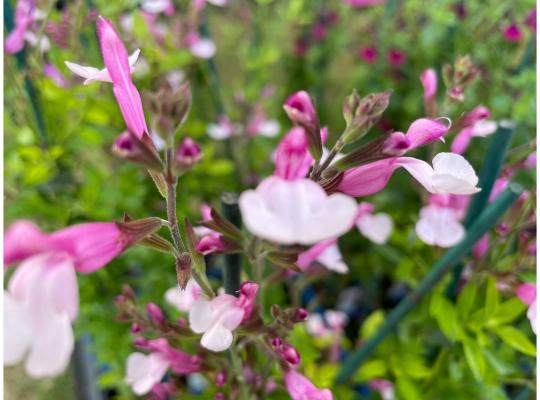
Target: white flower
point(376, 227)
point(144, 371)
point(439, 226)
point(91, 74)
point(269, 128)
point(183, 299)
point(450, 173)
point(216, 319)
point(203, 48)
point(296, 211)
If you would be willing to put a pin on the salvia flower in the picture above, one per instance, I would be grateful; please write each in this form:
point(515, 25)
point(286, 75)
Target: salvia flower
point(368, 54)
point(526, 292)
point(301, 388)
point(292, 156)
point(396, 57)
point(297, 211)
point(187, 155)
point(183, 299)
point(513, 33)
point(429, 82)
point(145, 371)
point(24, 16)
point(530, 20)
point(325, 253)
point(439, 226)
point(375, 227)
point(200, 47)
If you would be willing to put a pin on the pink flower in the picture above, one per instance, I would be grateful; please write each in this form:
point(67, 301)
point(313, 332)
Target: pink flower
point(297, 211)
point(90, 245)
point(530, 161)
point(375, 227)
point(512, 33)
point(326, 253)
point(200, 47)
point(299, 107)
point(384, 387)
point(211, 244)
point(439, 226)
point(368, 54)
point(450, 173)
point(179, 362)
point(216, 319)
point(246, 300)
point(24, 16)
point(188, 154)
point(224, 129)
point(158, 6)
point(183, 299)
point(481, 247)
point(292, 156)
point(333, 323)
point(481, 128)
point(363, 3)
point(301, 388)
point(259, 125)
point(115, 58)
point(41, 300)
point(530, 20)
point(396, 58)
point(527, 294)
point(475, 115)
point(429, 82)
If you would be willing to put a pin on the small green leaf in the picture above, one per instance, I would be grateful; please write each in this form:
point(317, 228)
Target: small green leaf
point(492, 298)
point(465, 301)
point(372, 323)
point(371, 369)
point(475, 358)
point(507, 312)
point(516, 339)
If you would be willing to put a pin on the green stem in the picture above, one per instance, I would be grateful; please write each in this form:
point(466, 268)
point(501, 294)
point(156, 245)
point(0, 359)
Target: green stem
point(485, 222)
point(236, 362)
point(233, 265)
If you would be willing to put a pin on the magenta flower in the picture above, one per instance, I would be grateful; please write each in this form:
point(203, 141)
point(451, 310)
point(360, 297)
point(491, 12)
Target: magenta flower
point(396, 57)
point(530, 20)
point(55, 75)
point(40, 302)
point(24, 16)
point(363, 3)
point(246, 300)
point(527, 294)
point(301, 388)
point(188, 154)
point(116, 61)
point(481, 247)
point(292, 156)
point(299, 107)
point(368, 54)
point(512, 33)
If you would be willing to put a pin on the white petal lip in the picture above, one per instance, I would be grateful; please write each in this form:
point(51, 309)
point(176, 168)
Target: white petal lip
point(376, 227)
point(439, 226)
point(144, 371)
point(297, 211)
point(200, 316)
point(332, 259)
point(91, 74)
point(218, 338)
point(18, 330)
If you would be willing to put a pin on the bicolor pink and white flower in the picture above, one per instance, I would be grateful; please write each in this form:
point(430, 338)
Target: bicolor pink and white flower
point(475, 124)
point(40, 302)
point(296, 211)
point(301, 388)
point(216, 319)
point(332, 322)
point(224, 129)
point(439, 226)
point(158, 6)
point(92, 74)
point(375, 227)
point(526, 292)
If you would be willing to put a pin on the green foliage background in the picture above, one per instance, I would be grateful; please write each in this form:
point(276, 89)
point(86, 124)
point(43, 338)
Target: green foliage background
point(72, 176)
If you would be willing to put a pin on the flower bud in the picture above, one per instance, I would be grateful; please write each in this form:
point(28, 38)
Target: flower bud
point(187, 155)
point(300, 315)
point(137, 230)
point(140, 342)
point(350, 106)
point(140, 151)
point(136, 328)
point(155, 313)
point(221, 378)
point(290, 354)
point(183, 269)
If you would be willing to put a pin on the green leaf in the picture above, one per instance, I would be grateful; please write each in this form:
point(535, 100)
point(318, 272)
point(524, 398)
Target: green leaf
point(444, 312)
point(492, 298)
point(371, 369)
point(465, 301)
point(516, 339)
point(407, 389)
point(507, 312)
point(475, 358)
point(372, 323)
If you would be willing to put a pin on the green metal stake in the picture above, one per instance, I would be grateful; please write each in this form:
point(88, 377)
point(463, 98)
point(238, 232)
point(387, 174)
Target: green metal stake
point(486, 221)
point(233, 262)
point(488, 175)
point(28, 85)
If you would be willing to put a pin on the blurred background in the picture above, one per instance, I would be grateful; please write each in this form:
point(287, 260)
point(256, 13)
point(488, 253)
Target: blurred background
point(59, 169)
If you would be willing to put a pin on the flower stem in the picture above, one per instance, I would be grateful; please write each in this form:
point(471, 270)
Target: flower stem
point(233, 265)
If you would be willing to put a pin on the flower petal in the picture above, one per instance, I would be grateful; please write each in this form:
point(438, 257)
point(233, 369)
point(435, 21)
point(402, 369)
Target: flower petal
point(18, 330)
point(217, 338)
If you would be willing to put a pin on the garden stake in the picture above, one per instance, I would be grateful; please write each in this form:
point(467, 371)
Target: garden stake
point(488, 175)
point(485, 222)
point(28, 85)
point(233, 266)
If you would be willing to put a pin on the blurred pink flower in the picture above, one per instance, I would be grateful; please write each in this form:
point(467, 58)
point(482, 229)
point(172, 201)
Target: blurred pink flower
point(301, 388)
point(297, 211)
point(183, 299)
point(55, 75)
point(368, 54)
point(327, 254)
point(481, 247)
point(396, 57)
point(384, 387)
point(439, 226)
point(292, 156)
point(24, 16)
point(200, 47)
point(363, 3)
point(144, 371)
point(299, 107)
point(527, 294)
point(530, 20)
point(429, 82)
point(375, 227)
point(246, 299)
point(513, 33)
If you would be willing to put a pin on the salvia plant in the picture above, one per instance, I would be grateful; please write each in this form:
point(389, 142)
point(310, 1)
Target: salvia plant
point(211, 242)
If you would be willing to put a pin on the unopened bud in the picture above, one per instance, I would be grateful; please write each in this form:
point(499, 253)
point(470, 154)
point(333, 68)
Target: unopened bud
point(300, 315)
point(350, 106)
point(183, 269)
point(187, 155)
point(136, 230)
point(140, 151)
point(275, 310)
point(290, 354)
point(155, 313)
point(140, 343)
point(221, 378)
point(136, 328)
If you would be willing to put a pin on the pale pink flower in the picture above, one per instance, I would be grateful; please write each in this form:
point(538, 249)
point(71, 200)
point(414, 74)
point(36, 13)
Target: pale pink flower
point(91, 74)
point(301, 388)
point(200, 47)
point(158, 6)
point(260, 125)
point(527, 294)
point(498, 188)
point(116, 61)
point(480, 128)
point(429, 82)
point(24, 16)
point(41, 301)
point(55, 75)
point(481, 247)
point(530, 161)
point(439, 226)
point(325, 253)
point(297, 211)
point(384, 387)
point(530, 20)
point(216, 319)
point(144, 371)
point(375, 227)
point(183, 299)
point(224, 129)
